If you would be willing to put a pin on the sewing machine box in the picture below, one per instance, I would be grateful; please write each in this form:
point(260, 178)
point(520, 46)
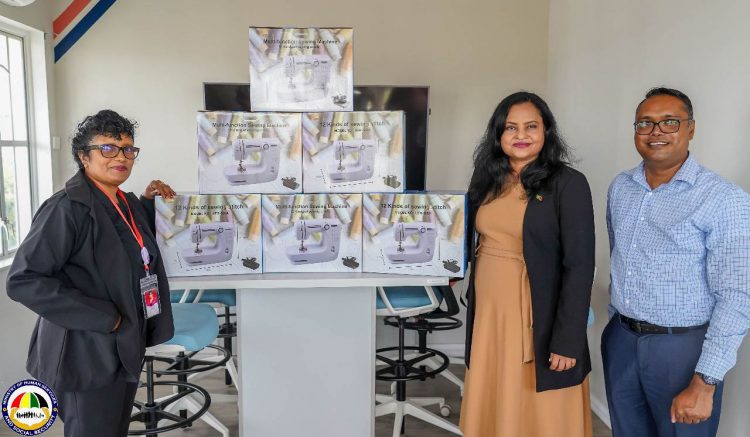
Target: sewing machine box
point(312, 233)
point(248, 152)
point(301, 69)
point(201, 235)
point(415, 233)
point(353, 152)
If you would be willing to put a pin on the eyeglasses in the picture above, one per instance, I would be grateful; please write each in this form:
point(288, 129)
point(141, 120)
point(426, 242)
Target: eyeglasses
point(668, 126)
point(111, 151)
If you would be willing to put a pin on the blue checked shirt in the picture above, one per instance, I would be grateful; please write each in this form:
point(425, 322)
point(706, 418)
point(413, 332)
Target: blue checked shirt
point(680, 256)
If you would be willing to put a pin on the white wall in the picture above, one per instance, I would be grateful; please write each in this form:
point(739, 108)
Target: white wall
point(603, 56)
point(17, 321)
point(37, 15)
point(148, 60)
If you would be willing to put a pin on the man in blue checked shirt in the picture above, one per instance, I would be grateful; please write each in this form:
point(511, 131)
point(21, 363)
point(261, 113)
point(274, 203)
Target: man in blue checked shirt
point(680, 252)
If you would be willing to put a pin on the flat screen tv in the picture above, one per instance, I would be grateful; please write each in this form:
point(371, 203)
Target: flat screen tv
point(413, 100)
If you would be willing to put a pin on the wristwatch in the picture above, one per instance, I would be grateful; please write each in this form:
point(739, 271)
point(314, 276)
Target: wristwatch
point(709, 380)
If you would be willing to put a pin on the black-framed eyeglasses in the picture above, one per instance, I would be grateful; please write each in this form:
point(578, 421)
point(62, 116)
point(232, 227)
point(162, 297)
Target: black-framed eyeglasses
point(668, 126)
point(111, 151)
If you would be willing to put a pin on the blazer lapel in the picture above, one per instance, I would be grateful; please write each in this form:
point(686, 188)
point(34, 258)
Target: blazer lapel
point(111, 260)
point(541, 213)
point(109, 254)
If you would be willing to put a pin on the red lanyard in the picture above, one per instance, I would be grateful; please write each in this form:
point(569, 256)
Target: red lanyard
point(131, 224)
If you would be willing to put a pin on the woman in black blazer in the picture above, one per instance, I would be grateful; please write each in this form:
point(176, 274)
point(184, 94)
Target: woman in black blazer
point(532, 257)
point(80, 269)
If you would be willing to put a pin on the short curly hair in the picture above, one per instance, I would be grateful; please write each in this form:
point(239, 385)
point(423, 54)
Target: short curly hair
point(106, 122)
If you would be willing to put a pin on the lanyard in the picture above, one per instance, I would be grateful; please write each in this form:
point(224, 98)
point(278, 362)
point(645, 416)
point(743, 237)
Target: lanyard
point(131, 224)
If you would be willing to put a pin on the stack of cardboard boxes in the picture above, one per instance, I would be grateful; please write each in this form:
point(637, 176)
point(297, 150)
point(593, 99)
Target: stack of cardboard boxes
point(251, 215)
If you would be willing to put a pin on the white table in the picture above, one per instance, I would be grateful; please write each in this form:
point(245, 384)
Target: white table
point(307, 349)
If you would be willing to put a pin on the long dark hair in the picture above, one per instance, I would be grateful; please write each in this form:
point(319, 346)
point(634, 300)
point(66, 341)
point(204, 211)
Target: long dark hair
point(492, 166)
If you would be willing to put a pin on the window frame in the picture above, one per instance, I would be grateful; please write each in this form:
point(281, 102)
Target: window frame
point(35, 51)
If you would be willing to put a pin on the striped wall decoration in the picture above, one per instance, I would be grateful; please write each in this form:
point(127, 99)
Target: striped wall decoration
point(75, 21)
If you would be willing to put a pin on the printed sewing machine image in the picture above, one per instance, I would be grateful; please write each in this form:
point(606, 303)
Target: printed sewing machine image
point(327, 249)
point(266, 169)
point(407, 253)
point(208, 253)
point(307, 77)
point(355, 160)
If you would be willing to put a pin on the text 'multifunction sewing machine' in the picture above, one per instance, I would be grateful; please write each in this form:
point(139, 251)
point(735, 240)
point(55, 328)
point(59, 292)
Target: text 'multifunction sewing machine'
point(206, 252)
point(410, 253)
point(307, 77)
point(250, 171)
point(310, 252)
point(355, 160)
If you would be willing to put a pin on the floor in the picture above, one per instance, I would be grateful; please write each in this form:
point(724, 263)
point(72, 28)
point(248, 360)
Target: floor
point(441, 387)
point(227, 413)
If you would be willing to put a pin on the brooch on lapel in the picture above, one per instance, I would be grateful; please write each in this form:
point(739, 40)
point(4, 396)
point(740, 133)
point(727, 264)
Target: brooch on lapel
point(539, 197)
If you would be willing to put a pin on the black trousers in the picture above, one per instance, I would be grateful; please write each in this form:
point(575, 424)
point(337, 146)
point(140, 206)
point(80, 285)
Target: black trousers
point(101, 412)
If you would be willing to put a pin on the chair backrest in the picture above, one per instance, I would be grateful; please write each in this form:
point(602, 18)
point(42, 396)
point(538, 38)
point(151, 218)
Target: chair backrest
point(592, 318)
point(451, 304)
point(393, 296)
point(187, 296)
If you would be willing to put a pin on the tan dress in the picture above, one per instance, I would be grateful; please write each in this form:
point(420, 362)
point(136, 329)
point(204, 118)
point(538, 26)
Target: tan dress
point(500, 397)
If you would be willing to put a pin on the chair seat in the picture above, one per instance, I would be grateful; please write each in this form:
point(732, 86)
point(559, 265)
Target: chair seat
point(407, 297)
point(226, 297)
point(195, 325)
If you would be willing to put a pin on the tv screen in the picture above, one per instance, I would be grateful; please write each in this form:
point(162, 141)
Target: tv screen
point(413, 100)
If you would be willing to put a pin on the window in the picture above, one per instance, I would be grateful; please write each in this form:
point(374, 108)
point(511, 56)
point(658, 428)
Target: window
point(15, 146)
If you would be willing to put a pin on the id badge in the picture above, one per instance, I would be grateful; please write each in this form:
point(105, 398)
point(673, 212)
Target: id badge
point(150, 296)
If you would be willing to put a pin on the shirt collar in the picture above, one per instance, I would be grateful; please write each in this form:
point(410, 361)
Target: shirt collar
point(688, 172)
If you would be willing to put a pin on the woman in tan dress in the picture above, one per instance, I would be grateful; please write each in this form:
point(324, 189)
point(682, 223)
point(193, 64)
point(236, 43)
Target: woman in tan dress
point(529, 291)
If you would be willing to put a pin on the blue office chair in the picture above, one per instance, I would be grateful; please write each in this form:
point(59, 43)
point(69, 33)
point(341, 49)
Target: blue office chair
point(401, 303)
point(427, 323)
point(228, 329)
point(196, 327)
point(592, 318)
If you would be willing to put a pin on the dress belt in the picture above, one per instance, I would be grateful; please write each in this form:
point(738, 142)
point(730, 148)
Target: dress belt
point(527, 318)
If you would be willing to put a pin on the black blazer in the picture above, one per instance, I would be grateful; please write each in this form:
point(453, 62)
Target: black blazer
point(73, 271)
point(558, 247)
